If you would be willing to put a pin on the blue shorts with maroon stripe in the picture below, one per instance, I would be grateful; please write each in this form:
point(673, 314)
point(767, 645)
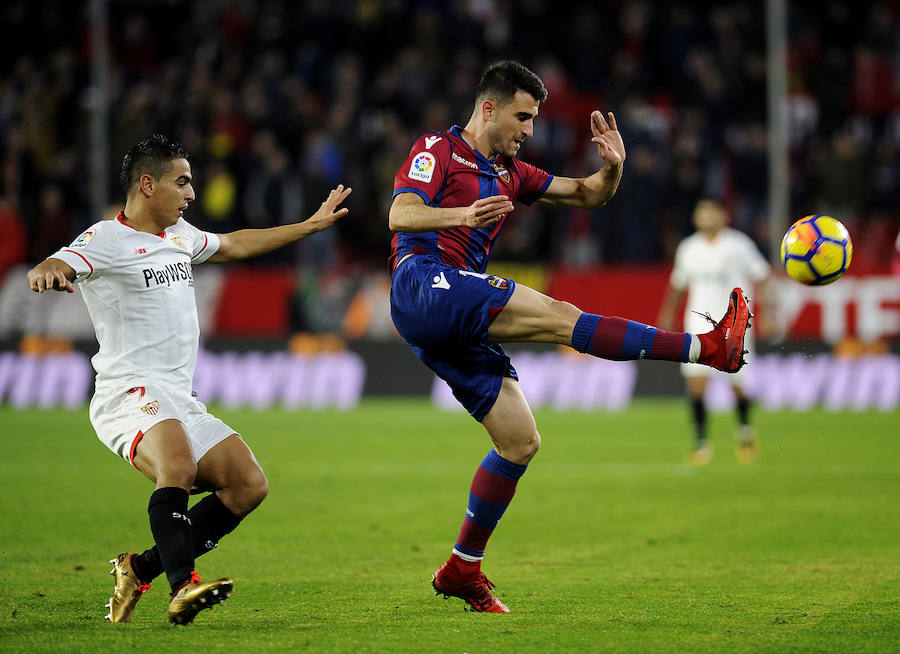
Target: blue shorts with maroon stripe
point(443, 313)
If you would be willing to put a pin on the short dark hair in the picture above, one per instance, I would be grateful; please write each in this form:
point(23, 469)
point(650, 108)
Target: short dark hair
point(152, 156)
point(502, 79)
point(711, 199)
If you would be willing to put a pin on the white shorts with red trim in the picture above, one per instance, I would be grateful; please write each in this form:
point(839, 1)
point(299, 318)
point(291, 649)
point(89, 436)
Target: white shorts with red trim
point(121, 417)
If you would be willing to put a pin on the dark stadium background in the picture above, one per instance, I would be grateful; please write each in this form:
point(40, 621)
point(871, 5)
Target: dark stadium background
point(279, 101)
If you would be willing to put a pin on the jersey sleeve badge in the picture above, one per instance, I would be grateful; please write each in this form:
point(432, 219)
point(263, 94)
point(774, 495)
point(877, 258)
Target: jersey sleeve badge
point(498, 282)
point(84, 239)
point(422, 167)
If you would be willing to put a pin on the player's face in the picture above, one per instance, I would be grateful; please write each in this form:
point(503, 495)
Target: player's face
point(512, 123)
point(173, 192)
point(709, 217)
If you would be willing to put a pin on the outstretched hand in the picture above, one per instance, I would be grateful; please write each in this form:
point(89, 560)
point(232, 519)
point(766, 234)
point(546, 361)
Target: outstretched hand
point(607, 137)
point(487, 211)
point(44, 278)
point(328, 212)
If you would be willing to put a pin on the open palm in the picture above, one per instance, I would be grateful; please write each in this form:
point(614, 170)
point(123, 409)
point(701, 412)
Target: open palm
point(607, 137)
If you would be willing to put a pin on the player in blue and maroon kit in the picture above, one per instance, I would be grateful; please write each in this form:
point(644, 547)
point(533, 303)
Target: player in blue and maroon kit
point(452, 197)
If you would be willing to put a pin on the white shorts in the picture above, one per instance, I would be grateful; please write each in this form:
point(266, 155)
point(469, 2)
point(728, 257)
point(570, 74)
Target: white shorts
point(696, 324)
point(121, 416)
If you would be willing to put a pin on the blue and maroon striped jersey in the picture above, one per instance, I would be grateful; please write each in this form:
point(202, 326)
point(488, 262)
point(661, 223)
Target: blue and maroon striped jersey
point(445, 172)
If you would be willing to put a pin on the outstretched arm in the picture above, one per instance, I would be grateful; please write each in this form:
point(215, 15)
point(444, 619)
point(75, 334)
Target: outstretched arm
point(594, 191)
point(51, 274)
point(248, 243)
point(410, 214)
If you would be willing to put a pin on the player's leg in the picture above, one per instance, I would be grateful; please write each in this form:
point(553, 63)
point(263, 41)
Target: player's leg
point(240, 486)
point(696, 388)
point(530, 316)
point(229, 467)
point(164, 455)
point(510, 425)
point(747, 443)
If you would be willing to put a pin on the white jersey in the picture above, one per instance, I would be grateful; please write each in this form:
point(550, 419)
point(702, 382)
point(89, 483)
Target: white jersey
point(139, 292)
point(709, 269)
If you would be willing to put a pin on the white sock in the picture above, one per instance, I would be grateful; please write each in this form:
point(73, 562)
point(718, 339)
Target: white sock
point(694, 353)
point(466, 557)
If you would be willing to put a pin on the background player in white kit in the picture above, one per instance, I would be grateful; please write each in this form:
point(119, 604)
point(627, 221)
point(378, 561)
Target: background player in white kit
point(135, 276)
point(708, 263)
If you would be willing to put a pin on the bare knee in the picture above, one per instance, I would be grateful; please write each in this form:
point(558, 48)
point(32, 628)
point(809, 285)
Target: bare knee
point(179, 473)
point(521, 450)
point(164, 455)
point(564, 310)
point(567, 315)
point(256, 490)
point(246, 494)
point(533, 445)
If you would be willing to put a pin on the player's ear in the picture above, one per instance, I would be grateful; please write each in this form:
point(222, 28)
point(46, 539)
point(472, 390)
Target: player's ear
point(147, 184)
point(487, 110)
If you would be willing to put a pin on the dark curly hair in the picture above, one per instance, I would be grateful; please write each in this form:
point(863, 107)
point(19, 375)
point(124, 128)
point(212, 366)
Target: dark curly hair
point(152, 156)
point(502, 79)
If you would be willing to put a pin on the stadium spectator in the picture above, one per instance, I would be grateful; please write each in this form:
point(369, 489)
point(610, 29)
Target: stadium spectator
point(51, 223)
point(696, 77)
point(12, 245)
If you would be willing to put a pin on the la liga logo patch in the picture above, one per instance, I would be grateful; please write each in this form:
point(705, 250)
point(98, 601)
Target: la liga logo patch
point(84, 239)
point(422, 167)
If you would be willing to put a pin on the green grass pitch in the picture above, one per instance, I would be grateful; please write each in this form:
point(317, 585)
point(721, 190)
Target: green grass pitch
point(612, 544)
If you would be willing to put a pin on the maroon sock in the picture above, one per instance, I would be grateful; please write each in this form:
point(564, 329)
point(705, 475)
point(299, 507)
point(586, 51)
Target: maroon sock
point(620, 339)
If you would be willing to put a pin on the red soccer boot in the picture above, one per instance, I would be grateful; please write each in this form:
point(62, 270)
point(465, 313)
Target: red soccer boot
point(458, 578)
point(723, 347)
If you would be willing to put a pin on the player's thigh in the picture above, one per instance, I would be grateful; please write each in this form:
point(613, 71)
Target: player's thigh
point(164, 453)
point(123, 415)
point(535, 317)
point(510, 422)
point(230, 464)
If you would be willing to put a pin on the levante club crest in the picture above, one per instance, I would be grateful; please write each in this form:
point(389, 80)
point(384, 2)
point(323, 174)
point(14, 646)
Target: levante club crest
point(501, 170)
point(498, 282)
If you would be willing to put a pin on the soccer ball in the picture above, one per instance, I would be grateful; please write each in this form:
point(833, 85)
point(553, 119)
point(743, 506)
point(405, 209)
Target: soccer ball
point(816, 250)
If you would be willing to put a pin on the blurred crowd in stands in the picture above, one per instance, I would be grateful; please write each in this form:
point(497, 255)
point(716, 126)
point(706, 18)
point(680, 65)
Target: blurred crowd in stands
point(278, 101)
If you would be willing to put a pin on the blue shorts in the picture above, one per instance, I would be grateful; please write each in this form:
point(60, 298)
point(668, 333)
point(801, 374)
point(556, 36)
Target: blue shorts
point(443, 313)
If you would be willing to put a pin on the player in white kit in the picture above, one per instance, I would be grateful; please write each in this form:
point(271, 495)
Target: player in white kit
point(136, 279)
point(708, 263)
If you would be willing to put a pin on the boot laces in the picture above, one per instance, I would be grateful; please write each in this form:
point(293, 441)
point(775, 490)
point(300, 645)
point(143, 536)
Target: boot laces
point(480, 591)
point(707, 317)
